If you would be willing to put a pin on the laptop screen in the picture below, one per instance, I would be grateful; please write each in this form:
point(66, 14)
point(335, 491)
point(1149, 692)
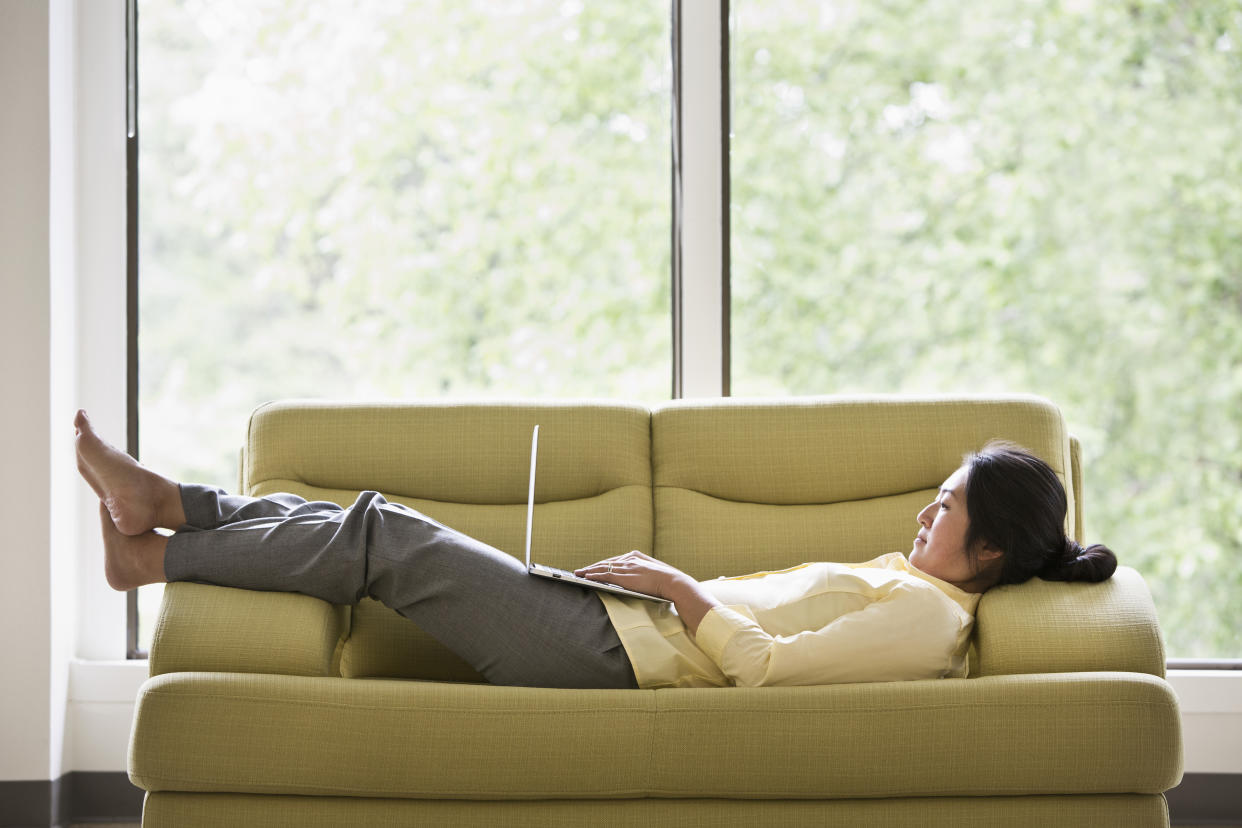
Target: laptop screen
point(530, 498)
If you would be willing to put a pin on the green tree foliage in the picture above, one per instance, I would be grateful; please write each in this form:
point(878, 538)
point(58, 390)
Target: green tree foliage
point(934, 196)
point(395, 200)
point(388, 199)
point(392, 200)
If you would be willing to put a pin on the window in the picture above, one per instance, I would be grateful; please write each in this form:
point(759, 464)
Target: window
point(390, 200)
point(1014, 196)
point(393, 200)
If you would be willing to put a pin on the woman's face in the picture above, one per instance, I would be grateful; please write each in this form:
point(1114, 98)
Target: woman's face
point(940, 548)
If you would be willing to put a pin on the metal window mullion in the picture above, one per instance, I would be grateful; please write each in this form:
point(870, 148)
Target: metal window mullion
point(131, 280)
point(700, 207)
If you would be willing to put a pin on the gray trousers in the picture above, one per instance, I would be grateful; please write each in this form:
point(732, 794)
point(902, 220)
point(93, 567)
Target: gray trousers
point(513, 628)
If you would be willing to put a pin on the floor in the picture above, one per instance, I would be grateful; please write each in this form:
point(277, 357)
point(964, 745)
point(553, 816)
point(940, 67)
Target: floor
point(136, 825)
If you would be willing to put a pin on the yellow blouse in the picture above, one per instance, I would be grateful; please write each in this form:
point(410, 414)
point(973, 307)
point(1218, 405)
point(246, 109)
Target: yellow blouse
point(818, 623)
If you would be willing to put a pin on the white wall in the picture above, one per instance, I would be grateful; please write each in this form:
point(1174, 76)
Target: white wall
point(29, 692)
point(62, 345)
point(62, 369)
point(99, 312)
point(66, 693)
point(102, 685)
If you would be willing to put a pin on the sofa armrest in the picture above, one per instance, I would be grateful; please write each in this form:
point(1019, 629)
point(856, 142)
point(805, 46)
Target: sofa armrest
point(1052, 627)
point(220, 629)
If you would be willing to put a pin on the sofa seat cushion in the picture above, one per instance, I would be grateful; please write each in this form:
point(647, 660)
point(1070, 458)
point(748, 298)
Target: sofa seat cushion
point(1002, 735)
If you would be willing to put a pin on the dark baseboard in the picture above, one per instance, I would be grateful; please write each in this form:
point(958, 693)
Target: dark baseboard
point(25, 803)
point(78, 796)
point(84, 796)
point(1206, 799)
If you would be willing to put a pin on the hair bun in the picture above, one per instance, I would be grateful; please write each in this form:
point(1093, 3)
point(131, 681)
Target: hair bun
point(1094, 564)
point(1097, 562)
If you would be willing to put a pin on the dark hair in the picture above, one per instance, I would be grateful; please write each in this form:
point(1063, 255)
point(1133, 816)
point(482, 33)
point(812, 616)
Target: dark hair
point(1017, 504)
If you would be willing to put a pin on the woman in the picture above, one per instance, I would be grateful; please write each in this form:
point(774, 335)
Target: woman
point(996, 520)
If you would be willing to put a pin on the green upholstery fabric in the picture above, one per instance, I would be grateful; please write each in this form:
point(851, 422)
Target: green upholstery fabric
point(466, 465)
point(743, 485)
point(274, 709)
point(388, 646)
point(1047, 627)
point(998, 736)
point(192, 810)
point(202, 627)
point(474, 453)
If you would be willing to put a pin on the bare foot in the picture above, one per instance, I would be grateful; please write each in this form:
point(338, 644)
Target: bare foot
point(137, 499)
point(131, 561)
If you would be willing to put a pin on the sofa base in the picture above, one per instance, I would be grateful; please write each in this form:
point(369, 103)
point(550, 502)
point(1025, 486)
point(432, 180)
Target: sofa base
point(207, 810)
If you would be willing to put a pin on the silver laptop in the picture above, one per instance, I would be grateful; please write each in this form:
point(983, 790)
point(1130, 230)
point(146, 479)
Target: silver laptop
point(552, 572)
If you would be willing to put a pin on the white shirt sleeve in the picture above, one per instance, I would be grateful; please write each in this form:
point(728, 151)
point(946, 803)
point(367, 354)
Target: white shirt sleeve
point(910, 633)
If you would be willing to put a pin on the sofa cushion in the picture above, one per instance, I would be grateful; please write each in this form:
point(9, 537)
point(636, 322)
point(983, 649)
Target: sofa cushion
point(204, 627)
point(745, 485)
point(1051, 627)
point(465, 453)
point(389, 645)
point(466, 465)
point(997, 736)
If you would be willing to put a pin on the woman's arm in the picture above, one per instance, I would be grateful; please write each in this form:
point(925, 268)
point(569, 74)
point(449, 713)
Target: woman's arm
point(643, 573)
point(911, 633)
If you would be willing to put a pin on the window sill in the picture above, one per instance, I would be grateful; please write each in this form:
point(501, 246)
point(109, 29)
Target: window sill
point(106, 681)
point(1210, 703)
point(1198, 691)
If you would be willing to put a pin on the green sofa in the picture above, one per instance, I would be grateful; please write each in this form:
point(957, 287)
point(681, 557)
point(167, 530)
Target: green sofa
point(273, 709)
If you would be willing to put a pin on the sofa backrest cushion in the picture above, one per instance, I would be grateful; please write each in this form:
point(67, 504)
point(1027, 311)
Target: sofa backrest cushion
point(466, 465)
point(719, 487)
point(748, 485)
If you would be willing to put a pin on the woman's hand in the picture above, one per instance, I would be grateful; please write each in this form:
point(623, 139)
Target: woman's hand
point(643, 573)
point(636, 571)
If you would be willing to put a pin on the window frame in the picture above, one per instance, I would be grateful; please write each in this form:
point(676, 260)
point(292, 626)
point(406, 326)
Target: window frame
point(132, 650)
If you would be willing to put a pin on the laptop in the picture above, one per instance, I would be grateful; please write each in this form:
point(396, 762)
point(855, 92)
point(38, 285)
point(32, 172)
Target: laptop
point(552, 572)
